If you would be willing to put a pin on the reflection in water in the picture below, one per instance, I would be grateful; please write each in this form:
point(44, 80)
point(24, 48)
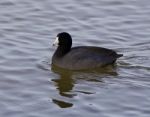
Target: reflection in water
point(64, 84)
point(68, 79)
point(62, 104)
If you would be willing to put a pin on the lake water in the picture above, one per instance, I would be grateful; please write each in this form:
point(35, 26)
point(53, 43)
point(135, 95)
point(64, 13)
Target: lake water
point(29, 87)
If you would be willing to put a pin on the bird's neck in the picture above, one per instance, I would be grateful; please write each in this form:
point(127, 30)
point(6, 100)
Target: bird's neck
point(61, 51)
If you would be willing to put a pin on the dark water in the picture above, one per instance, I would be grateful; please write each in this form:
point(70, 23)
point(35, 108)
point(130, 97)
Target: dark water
point(29, 87)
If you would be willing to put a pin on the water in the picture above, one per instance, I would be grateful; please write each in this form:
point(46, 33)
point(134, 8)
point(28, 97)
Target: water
point(29, 87)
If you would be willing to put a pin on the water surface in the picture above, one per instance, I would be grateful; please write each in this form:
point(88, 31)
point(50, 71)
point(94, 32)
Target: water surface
point(29, 87)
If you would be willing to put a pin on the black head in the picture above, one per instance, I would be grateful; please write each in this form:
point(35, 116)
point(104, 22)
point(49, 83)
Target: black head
point(64, 43)
point(63, 39)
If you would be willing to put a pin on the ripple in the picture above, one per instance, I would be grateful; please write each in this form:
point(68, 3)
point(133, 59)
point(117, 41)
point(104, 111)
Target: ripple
point(30, 87)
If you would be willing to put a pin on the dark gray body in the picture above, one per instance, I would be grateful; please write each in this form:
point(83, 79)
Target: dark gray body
point(85, 57)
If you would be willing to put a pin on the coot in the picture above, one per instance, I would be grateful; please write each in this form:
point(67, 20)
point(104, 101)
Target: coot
point(81, 57)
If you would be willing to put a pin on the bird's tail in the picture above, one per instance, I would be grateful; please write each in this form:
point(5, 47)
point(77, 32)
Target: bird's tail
point(119, 55)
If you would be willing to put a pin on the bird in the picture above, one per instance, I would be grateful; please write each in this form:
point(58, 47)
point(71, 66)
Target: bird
point(80, 57)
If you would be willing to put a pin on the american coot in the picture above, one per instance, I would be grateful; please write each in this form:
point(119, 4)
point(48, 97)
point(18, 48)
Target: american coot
point(81, 57)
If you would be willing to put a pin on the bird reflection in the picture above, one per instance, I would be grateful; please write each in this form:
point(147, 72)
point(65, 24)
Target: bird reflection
point(68, 79)
point(64, 84)
point(62, 104)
